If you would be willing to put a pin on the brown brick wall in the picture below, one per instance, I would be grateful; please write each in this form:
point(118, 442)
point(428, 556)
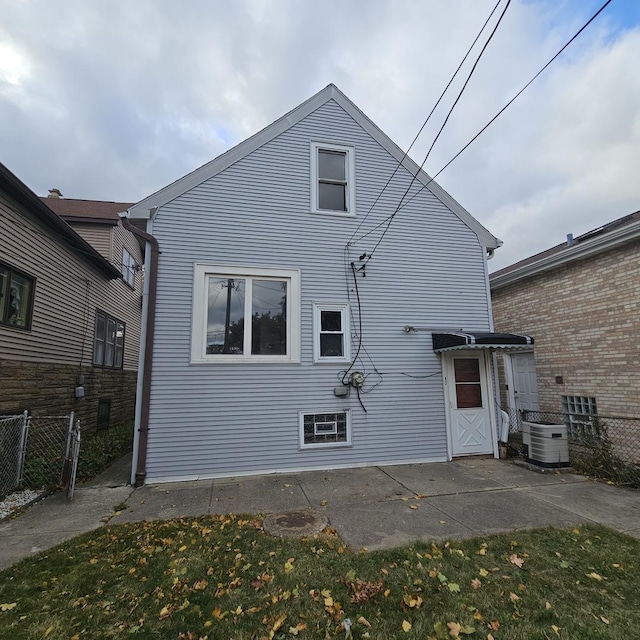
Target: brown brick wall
point(48, 389)
point(585, 319)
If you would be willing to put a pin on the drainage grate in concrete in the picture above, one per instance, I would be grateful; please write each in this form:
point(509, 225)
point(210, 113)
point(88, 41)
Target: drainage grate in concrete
point(294, 523)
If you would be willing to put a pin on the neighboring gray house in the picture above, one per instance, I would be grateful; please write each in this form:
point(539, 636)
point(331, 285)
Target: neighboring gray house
point(278, 343)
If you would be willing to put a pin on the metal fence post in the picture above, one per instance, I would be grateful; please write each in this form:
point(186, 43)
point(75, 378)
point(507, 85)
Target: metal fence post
point(75, 453)
point(22, 451)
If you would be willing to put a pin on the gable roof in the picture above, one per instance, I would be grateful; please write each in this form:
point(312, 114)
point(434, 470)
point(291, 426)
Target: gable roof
point(597, 240)
point(19, 191)
point(143, 208)
point(96, 211)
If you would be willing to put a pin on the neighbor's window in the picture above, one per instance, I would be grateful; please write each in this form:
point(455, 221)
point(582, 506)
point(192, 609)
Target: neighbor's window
point(16, 298)
point(332, 180)
point(128, 268)
point(108, 342)
point(245, 314)
point(331, 332)
point(325, 429)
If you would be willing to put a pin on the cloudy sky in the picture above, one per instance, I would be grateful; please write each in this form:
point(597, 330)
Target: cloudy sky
point(114, 99)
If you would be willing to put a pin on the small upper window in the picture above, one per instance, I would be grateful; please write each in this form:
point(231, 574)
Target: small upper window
point(331, 332)
point(16, 298)
point(332, 179)
point(128, 268)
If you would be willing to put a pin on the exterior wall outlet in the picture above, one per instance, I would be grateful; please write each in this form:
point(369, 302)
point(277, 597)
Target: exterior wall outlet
point(79, 392)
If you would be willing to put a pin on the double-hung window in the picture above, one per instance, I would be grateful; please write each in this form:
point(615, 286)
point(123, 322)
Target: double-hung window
point(16, 298)
point(108, 341)
point(331, 333)
point(128, 268)
point(242, 315)
point(332, 179)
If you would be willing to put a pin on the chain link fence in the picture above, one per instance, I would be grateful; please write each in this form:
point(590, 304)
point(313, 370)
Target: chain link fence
point(607, 447)
point(35, 452)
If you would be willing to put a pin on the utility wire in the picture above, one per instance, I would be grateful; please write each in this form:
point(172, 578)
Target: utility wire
point(453, 106)
point(486, 126)
point(424, 124)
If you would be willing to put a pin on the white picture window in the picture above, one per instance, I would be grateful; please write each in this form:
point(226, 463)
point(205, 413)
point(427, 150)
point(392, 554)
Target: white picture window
point(332, 179)
point(331, 333)
point(242, 315)
point(128, 268)
point(325, 429)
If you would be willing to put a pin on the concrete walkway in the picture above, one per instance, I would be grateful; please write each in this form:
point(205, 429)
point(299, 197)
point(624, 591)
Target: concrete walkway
point(373, 507)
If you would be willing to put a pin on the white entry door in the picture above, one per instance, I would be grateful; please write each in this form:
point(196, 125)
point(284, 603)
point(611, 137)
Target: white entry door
point(469, 408)
point(525, 383)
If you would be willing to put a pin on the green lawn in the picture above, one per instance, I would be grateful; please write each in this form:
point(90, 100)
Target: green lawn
point(222, 577)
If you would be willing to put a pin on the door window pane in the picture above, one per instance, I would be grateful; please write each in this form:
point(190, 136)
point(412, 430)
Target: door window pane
point(468, 387)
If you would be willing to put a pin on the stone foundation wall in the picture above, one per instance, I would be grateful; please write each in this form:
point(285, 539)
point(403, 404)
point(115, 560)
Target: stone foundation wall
point(49, 389)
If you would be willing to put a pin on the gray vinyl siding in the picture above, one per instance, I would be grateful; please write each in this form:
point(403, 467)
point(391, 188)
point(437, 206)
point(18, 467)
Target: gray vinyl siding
point(68, 291)
point(218, 419)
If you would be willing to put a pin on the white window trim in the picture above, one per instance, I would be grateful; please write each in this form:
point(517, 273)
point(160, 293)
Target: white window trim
point(199, 317)
point(324, 445)
point(350, 176)
point(343, 308)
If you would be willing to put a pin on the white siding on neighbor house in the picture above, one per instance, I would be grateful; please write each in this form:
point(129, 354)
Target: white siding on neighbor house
point(67, 293)
point(218, 419)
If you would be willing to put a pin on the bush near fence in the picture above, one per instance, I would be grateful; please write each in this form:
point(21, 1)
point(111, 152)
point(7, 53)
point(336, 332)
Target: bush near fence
point(606, 447)
point(101, 447)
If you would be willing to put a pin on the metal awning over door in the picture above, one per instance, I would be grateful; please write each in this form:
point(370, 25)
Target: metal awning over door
point(451, 341)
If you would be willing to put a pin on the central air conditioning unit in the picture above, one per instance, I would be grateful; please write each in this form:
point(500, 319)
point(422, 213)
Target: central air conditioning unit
point(548, 444)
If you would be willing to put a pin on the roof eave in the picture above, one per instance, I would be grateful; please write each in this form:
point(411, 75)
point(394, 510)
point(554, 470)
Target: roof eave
point(144, 208)
point(19, 191)
point(577, 251)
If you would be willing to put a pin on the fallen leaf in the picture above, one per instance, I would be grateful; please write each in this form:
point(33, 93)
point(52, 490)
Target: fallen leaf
point(454, 587)
point(454, 629)
point(406, 626)
point(279, 622)
point(514, 597)
point(547, 605)
point(605, 620)
point(516, 559)
point(413, 506)
point(363, 621)
point(556, 629)
point(594, 576)
point(7, 606)
point(483, 572)
point(476, 584)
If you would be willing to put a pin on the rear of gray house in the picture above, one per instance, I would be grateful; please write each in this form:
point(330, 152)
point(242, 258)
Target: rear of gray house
point(299, 326)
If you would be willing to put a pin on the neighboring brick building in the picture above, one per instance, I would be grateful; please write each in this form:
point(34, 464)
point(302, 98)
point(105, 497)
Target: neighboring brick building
point(581, 303)
point(70, 307)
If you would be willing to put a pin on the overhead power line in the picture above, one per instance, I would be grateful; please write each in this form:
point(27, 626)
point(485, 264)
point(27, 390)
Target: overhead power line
point(389, 219)
point(424, 124)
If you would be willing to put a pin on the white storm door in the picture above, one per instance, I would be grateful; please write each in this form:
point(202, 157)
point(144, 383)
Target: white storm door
point(525, 383)
point(470, 417)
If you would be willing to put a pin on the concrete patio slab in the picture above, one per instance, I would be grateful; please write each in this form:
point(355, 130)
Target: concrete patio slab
point(517, 475)
point(258, 494)
point(499, 511)
point(348, 486)
point(440, 478)
point(165, 501)
point(375, 526)
point(615, 507)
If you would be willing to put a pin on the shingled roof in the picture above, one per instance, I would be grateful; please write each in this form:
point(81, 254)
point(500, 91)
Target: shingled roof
point(97, 211)
point(611, 234)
